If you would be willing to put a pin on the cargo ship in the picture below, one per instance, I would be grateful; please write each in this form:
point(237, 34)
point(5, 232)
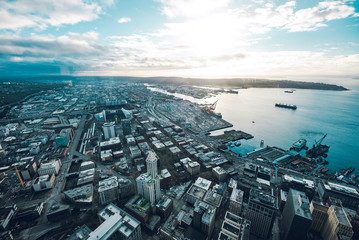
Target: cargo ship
point(294, 107)
point(299, 145)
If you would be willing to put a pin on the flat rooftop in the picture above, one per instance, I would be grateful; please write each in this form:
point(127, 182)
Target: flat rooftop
point(263, 198)
point(300, 203)
point(115, 219)
point(340, 188)
point(197, 191)
point(340, 213)
point(108, 184)
point(203, 183)
point(237, 195)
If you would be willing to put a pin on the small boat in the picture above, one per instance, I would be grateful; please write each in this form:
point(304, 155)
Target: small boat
point(253, 121)
point(288, 91)
point(238, 143)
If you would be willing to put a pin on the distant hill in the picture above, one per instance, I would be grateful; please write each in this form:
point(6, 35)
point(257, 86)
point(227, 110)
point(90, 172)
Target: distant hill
point(223, 83)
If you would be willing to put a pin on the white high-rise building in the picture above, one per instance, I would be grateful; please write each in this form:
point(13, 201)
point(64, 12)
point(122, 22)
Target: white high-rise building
point(148, 184)
point(151, 162)
point(109, 130)
point(149, 187)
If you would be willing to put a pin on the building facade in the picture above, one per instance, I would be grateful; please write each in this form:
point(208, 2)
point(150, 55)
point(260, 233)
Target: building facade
point(337, 225)
point(296, 217)
point(109, 130)
point(236, 201)
point(108, 190)
point(261, 211)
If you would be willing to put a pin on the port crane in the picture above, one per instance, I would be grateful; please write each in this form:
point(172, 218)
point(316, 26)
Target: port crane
point(320, 141)
point(318, 150)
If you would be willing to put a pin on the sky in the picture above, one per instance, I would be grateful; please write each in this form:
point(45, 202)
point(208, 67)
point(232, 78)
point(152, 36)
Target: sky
point(184, 38)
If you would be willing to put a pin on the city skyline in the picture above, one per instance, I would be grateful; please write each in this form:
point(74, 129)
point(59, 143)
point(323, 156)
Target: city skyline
point(216, 39)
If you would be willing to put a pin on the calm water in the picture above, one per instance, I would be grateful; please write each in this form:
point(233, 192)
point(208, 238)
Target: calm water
point(318, 113)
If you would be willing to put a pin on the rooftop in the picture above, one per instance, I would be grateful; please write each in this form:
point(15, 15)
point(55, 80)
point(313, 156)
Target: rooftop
point(83, 193)
point(237, 195)
point(138, 205)
point(263, 198)
point(203, 183)
point(306, 182)
point(111, 141)
point(340, 188)
point(152, 156)
point(108, 184)
point(197, 191)
point(115, 219)
point(300, 203)
point(340, 213)
point(219, 170)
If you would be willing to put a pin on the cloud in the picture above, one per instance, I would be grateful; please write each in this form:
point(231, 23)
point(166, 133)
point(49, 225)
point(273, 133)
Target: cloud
point(124, 20)
point(40, 48)
point(191, 8)
point(40, 14)
point(310, 19)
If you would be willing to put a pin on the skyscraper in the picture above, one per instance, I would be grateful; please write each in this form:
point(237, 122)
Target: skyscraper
point(337, 225)
point(148, 184)
point(149, 187)
point(151, 162)
point(296, 219)
point(126, 126)
point(261, 211)
point(109, 130)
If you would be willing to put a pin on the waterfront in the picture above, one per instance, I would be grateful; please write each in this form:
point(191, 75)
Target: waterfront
point(319, 112)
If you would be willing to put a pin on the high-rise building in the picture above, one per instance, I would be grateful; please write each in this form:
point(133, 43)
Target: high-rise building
point(296, 218)
point(319, 216)
point(204, 217)
point(126, 126)
point(109, 130)
point(151, 162)
point(337, 225)
point(234, 227)
point(149, 187)
point(261, 211)
point(236, 201)
point(108, 190)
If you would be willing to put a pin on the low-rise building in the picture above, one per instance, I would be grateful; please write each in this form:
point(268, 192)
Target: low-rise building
point(48, 168)
point(6, 214)
point(164, 207)
point(106, 155)
point(87, 165)
point(116, 224)
point(348, 195)
point(80, 195)
point(44, 182)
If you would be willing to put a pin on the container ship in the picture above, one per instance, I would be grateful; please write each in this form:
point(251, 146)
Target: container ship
point(294, 107)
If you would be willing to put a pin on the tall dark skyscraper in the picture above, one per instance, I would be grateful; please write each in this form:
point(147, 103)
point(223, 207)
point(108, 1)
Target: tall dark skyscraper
point(296, 219)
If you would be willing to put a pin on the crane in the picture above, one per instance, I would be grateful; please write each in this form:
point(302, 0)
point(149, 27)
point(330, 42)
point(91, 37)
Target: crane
point(17, 173)
point(209, 106)
point(319, 142)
